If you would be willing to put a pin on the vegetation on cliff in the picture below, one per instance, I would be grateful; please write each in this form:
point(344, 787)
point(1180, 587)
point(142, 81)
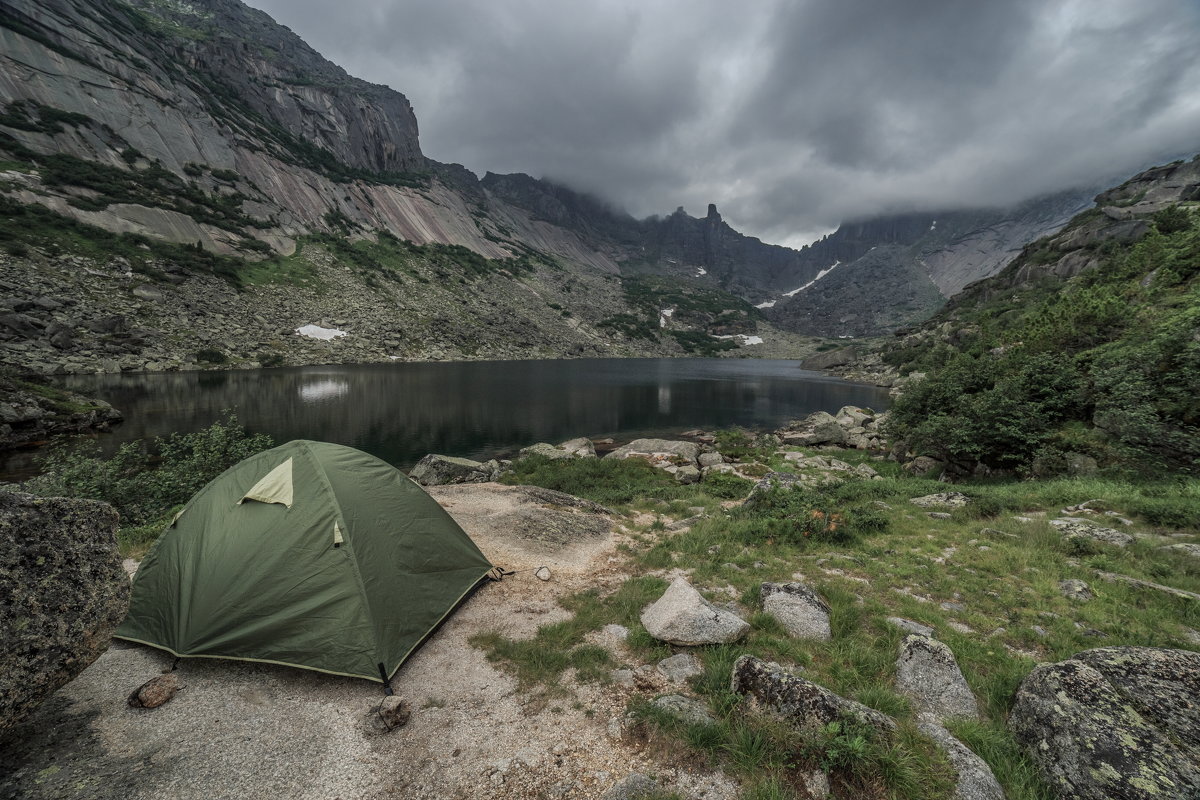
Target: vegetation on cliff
point(1105, 364)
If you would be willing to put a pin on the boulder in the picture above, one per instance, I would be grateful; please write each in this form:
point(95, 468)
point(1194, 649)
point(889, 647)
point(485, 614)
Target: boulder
point(687, 710)
point(687, 474)
point(681, 616)
point(581, 447)
point(1114, 723)
point(1072, 528)
point(942, 500)
point(64, 593)
point(713, 459)
point(801, 702)
point(798, 608)
point(660, 450)
point(436, 470)
point(826, 433)
point(974, 779)
point(923, 465)
point(928, 674)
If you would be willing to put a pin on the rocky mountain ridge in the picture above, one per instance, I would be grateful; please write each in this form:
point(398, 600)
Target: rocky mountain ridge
point(208, 125)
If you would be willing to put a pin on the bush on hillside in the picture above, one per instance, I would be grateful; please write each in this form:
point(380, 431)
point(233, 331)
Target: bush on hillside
point(144, 480)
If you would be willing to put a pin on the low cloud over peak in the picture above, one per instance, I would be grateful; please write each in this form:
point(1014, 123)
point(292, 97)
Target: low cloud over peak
point(790, 116)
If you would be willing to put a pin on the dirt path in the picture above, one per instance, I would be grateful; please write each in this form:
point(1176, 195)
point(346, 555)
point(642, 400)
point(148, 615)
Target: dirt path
point(243, 730)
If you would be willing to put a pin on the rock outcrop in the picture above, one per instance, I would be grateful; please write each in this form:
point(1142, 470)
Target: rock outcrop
point(660, 452)
point(65, 593)
point(438, 470)
point(799, 701)
point(682, 616)
point(1114, 723)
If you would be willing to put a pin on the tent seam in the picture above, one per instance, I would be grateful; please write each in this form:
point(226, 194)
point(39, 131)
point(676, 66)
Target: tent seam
point(362, 589)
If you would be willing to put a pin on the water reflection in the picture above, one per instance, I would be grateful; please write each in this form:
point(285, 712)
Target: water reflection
point(324, 390)
point(400, 412)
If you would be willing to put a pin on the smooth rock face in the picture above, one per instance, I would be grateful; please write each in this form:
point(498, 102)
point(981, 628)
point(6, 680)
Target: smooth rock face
point(1072, 528)
point(693, 712)
point(436, 470)
point(801, 702)
point(975, 780)
point(681, 616)
point(63, 594)
point(941, 500)
point(1114, 723)
point(798, 608)
point(688, 452)
point(156, 691)
point(928, 673)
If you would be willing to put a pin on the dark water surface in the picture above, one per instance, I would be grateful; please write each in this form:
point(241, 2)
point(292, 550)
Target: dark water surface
point(400, 412)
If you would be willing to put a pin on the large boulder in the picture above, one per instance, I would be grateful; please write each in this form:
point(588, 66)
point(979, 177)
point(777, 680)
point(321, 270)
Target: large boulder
point(928, 674)
point(655, 450)
point(436, 470)
point(798, 608)
point(1073, 528)
point(801, 702)
point(682, 616)
point(1114, 723)
point(64, 593)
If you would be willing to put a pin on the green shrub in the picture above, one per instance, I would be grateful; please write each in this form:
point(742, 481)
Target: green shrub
point(726, 486)
point(143, 480)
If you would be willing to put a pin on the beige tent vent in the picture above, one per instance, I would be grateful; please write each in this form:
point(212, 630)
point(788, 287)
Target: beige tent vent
point(275, 487)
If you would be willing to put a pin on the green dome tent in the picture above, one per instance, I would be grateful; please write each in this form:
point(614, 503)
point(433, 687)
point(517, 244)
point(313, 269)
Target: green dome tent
point(312, 555)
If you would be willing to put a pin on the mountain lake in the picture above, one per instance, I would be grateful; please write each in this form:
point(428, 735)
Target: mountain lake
point(477, 409)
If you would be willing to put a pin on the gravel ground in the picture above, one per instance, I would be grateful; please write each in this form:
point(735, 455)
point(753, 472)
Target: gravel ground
point(240, 730)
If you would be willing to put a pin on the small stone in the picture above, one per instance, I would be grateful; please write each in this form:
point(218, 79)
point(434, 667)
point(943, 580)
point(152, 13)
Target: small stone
point(635, 786)
point(390, 714)
point(939, 515)
point(622, 677)
point(1075, 589)
point(680, 667)
point(156, 691)
point(693, 712)
point(816, 783)
point(911, 626)
point(956, 607)
point(542, 573)
point(614, 631)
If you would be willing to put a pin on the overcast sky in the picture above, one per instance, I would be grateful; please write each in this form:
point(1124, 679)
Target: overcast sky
point(790, 115)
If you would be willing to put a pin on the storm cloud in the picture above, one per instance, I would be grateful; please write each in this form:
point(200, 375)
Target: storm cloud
point(790, 116)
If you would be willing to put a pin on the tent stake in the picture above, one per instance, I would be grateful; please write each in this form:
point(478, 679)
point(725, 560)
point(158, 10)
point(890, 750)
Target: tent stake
point(387, 684)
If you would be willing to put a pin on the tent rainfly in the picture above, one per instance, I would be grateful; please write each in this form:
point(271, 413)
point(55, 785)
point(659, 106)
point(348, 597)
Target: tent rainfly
point(311, 555)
